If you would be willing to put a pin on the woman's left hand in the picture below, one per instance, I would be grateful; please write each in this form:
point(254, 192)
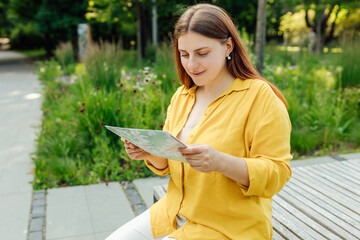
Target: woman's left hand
point(202, 157)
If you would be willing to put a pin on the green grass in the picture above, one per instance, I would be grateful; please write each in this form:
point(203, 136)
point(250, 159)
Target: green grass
point(38, 53)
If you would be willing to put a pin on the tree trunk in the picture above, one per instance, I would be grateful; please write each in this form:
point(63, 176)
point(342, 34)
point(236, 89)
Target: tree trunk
point(332, 30)
point(260, 35)
point(138, 33)
point(48, 47)
point(74, 42)
point(154, 24)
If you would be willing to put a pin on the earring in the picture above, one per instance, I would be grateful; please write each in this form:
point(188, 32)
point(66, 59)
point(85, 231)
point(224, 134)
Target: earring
point(228, 57)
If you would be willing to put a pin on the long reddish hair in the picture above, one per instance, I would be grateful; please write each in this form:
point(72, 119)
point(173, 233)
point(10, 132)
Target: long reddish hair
point(213, 22)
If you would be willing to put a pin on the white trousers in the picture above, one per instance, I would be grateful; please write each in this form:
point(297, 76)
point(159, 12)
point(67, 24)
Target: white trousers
point(139, 228)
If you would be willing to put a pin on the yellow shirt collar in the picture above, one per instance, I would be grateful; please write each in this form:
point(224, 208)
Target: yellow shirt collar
point(237, 85)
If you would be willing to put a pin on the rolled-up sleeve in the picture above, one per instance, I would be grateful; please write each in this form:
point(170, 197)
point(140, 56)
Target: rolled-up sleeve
point(160, 172)
point(268, 161)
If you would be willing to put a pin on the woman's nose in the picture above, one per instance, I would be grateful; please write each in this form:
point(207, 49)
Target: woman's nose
point(192, 63)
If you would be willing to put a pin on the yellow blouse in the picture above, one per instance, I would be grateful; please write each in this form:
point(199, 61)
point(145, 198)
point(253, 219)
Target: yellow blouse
point(248, 121)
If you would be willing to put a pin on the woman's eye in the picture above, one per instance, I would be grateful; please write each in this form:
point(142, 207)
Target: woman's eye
point(184, 55)
point(203, 54)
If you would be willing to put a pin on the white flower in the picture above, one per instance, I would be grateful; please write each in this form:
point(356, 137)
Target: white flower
point(42, 69)
point(339, 68)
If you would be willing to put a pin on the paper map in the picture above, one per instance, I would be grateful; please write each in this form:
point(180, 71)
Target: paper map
point(156, 142)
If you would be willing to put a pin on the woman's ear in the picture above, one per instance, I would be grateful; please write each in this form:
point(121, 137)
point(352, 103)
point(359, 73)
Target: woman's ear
point(229, 46)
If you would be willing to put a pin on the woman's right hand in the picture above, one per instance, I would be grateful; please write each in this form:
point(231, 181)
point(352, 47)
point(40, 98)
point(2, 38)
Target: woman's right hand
point(134, 152)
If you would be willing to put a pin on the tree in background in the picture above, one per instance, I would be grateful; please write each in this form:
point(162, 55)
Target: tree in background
point(43, 23)
point(48, 22)
point(260, 35)
point(58, 21)
point(4, 22)
point(321, 15)
point(19, 25)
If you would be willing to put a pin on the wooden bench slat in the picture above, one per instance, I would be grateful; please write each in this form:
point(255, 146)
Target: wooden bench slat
point(291, 222)
point(348, 168)
point(340, 173)
point(336, 185)
point(324, 218)
point(334, 215)
point(331, 193)
point(283, 230)
point(308, 224)
point(159, 192)
point(277, 236)
point(323, 201)
point(354, 164)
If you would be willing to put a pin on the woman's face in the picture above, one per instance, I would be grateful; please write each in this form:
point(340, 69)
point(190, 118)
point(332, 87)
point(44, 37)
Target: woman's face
point(203, 58)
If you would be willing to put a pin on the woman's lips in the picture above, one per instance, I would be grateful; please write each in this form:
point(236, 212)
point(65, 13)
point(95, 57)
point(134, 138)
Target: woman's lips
point(197, 74)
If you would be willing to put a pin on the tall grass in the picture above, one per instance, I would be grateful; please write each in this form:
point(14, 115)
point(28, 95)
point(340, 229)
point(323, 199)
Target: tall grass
point(64, 54)
point(104, 64)
point(350, 61)
point(324, 115)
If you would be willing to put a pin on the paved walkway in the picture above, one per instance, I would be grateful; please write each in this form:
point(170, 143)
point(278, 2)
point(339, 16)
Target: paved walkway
point(82, 212)
point(20, 103)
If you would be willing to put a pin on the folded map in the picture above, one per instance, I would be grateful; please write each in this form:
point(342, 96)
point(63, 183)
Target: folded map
point(156, 142)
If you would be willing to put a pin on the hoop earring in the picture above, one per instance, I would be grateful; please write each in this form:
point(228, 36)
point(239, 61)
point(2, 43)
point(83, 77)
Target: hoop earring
point(228, 57)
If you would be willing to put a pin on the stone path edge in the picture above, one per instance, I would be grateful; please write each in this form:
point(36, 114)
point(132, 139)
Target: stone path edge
point(36, 229)
point(133, 196)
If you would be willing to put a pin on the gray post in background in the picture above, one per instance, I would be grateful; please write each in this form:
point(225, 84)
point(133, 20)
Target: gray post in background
point(83, 40)
point(260, 35)
point(154, 24)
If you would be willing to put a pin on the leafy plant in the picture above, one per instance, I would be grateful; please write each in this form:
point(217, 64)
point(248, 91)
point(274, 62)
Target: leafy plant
point(64, 53)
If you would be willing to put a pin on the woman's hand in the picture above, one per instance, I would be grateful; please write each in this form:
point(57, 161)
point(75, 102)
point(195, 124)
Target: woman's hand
point(202, 157)
point(134, 152)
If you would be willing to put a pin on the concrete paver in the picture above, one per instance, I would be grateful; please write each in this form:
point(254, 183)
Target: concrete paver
point(14, 215)
point(20, 104)
point(16, 178)
point(86, 210)
point(67, 213)
point(311, 161)
point(109, 208)
point(350, 156)
point(145, 187)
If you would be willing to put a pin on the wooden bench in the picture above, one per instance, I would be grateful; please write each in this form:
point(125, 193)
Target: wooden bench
point(319, 202)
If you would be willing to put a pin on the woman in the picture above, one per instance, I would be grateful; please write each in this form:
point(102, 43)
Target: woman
point(237, 131)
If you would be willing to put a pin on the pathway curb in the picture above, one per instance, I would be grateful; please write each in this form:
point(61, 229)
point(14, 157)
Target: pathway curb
point(37, 216)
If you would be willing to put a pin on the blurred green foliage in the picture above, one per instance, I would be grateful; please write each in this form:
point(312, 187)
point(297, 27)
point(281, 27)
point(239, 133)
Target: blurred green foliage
point(26, 36)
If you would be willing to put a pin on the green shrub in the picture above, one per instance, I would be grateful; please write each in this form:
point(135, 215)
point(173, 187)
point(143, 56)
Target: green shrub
point(64, 54)
point(75, 113)
point(103, 64)
point(26, 36)
point(323, 116)
point(350, 62)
